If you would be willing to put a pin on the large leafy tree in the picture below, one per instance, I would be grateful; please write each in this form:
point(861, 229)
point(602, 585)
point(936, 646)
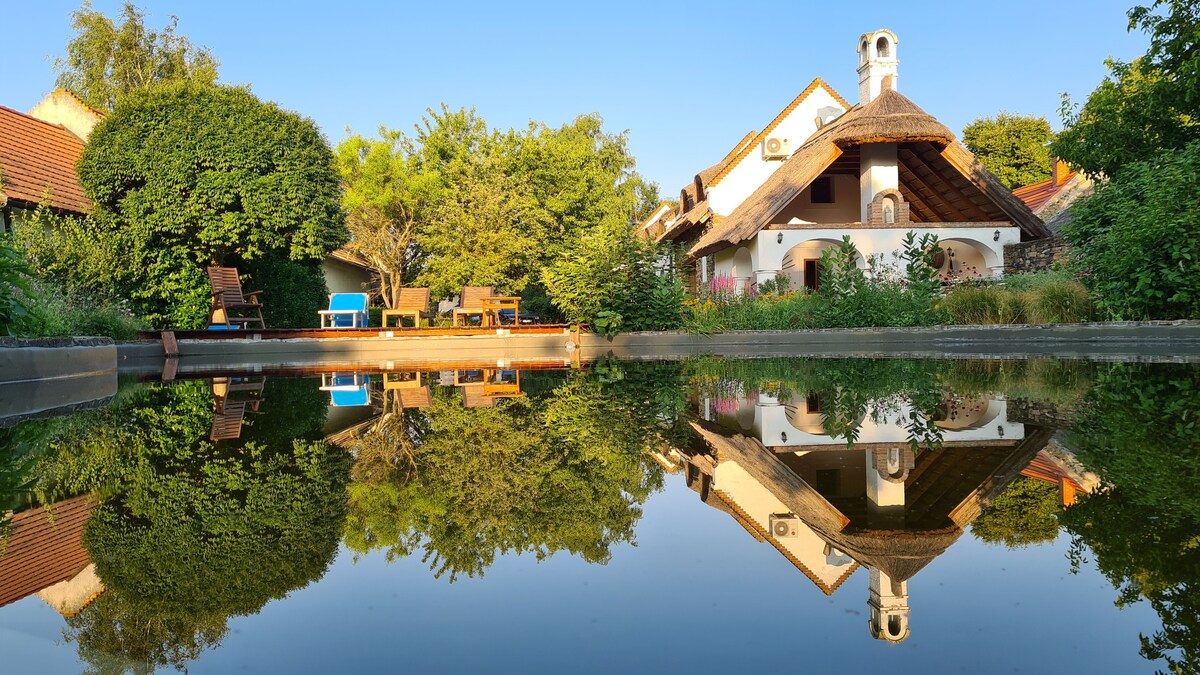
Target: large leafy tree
point(183, 176)
point(1145, 106)
point(1014, 147)
point(106, 60)
point(388, 194)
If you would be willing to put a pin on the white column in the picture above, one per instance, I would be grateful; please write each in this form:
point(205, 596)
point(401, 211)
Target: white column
point(880, 171)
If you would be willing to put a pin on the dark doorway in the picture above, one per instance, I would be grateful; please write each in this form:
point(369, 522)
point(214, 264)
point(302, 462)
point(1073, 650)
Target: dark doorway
point(812, 274)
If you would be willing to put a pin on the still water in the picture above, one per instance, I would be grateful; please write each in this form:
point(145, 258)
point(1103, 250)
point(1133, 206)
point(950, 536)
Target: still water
point(705, 515)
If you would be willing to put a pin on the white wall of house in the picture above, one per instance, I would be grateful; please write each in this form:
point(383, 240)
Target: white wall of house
point(844, 208)
point(753, 170)
point(343, 277)
point(978, 246)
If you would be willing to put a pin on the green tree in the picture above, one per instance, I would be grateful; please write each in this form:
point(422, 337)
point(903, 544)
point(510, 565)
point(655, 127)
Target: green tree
point(1138, 238)
point(1144, 106)
point(1014, 147)
point(106, 60)
point(183, 176)
point(388, 194)
point(1025, 513)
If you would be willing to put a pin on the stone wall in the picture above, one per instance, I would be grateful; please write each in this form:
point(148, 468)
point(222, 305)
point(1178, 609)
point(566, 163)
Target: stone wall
point(1035, 256)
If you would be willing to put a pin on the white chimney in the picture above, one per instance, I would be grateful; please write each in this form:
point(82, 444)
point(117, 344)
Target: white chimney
point(877, 63)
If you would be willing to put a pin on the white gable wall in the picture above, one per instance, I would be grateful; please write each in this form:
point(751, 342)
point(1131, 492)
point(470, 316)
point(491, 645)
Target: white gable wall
point(753, 170)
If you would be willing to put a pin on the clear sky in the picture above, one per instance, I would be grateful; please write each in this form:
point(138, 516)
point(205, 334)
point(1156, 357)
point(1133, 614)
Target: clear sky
point(686, 79)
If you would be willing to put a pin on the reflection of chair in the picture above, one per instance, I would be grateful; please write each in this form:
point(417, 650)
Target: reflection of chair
point(347, 389)
point(346, 310)
point(471, 302)
point(230, 307)
point(473, 397)
point(412, 303)
point(232, 397)
point(502, 383)
point(409, 391)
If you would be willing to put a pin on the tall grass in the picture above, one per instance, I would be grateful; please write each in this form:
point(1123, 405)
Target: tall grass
point(58, 312)
point(1045, 297)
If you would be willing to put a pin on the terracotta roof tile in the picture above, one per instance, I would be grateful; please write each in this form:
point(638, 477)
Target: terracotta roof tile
point(1036, 195)
point(44, 547)
point(747, 147)
point(36, 157)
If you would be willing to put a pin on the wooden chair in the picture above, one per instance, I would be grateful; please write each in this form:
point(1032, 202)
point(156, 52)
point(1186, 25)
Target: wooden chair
point(407, 390)
point(230, 307)
point(471, 302)
point(413, 302)
point(233, 397)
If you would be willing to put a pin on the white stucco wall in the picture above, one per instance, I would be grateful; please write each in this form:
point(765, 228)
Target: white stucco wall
point(753, 170)
point(768, 247)
point(844, 209)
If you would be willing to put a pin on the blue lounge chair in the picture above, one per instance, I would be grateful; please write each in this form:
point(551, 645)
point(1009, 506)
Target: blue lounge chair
point(346, 310)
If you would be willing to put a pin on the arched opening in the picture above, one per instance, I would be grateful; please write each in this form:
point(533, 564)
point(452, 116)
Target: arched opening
point(802, 263)
point(743, 270)
point(883, 48)
point(957, 414)
point(862, 52)
point(806, 413)
point(889, 210)
point(964, 259)
point(895, 627)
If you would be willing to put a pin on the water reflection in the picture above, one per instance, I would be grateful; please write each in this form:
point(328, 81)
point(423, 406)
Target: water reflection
point(151, 523)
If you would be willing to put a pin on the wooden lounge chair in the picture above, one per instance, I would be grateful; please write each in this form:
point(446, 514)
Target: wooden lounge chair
point(413, 302)
point(233, 397)
point(230, 307)
point(471, 302)
point(346, 310)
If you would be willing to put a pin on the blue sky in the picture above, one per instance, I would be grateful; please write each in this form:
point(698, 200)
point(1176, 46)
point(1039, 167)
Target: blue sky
point(686, 79)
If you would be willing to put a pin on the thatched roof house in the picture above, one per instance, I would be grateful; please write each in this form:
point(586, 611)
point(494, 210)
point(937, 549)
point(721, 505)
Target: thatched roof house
point(873, 171)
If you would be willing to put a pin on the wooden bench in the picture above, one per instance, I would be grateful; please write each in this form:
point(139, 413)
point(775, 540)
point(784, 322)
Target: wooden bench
point(413, 303)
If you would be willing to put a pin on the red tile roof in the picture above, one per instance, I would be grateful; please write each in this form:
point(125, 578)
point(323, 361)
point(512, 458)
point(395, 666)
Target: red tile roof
point(44, 547)
point(36, 157)
point(1036, 195)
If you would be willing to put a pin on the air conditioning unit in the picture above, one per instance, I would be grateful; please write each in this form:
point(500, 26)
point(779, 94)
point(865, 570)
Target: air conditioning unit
point(784, 525)
point(776, 147)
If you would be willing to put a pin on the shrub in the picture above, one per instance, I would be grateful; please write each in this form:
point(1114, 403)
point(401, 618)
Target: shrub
point(1060, 302)
point(293, 291)
point(1043, 297)
point(1137, 238)
point(15, 316)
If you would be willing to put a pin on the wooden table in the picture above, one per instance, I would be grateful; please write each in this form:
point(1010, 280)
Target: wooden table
point(493, 305)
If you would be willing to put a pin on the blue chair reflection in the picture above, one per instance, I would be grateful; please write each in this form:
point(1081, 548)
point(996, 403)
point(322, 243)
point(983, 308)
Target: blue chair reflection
point(347, 389)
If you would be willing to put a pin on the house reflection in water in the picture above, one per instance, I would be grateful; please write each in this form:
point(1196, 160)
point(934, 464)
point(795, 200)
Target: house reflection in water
point(43, 554)
point(830, 507)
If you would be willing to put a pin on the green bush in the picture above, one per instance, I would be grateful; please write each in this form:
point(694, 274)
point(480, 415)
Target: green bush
point(1060, 302)
point(1137, 238)
point(15, 316)
point(293, 291)
point(183, 176)
point(1044, 297)
point(61, 312)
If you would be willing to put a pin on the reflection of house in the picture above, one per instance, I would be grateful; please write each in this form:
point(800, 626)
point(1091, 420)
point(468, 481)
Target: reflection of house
point(44, 554)
point(873, 171)
point(830, 508)
point(38, 153)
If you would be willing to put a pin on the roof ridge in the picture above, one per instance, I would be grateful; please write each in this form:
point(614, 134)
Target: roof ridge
point(38, 120)
point(813, 86)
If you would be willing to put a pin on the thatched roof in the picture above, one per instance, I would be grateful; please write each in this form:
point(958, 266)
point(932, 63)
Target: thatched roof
point(890, 118)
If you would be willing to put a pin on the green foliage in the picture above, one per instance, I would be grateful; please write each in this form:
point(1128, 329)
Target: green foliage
point(1143, 107)
point(16, 316)
point(920, 273)
point(106, 61)
point(1023, 298)
point(183, 176)
point(559, 470)
point(1014, 147)
point(840, 275)
point(612, 272)
point(1024, 514)
point(387, 192)
point(1138, 239)
point(293, 290)
point(1138, 430)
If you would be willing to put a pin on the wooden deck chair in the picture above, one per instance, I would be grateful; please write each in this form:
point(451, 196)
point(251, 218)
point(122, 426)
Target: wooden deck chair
point(227, 421)
point(230, 307)
point(473, 397)
point(471, 302)
point(412, 303)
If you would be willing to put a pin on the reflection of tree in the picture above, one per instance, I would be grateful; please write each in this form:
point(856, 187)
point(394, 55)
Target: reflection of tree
point(1138, 429)
point(1025, 513)
point(191, 532)
point(115, 637)
point(562, 469)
